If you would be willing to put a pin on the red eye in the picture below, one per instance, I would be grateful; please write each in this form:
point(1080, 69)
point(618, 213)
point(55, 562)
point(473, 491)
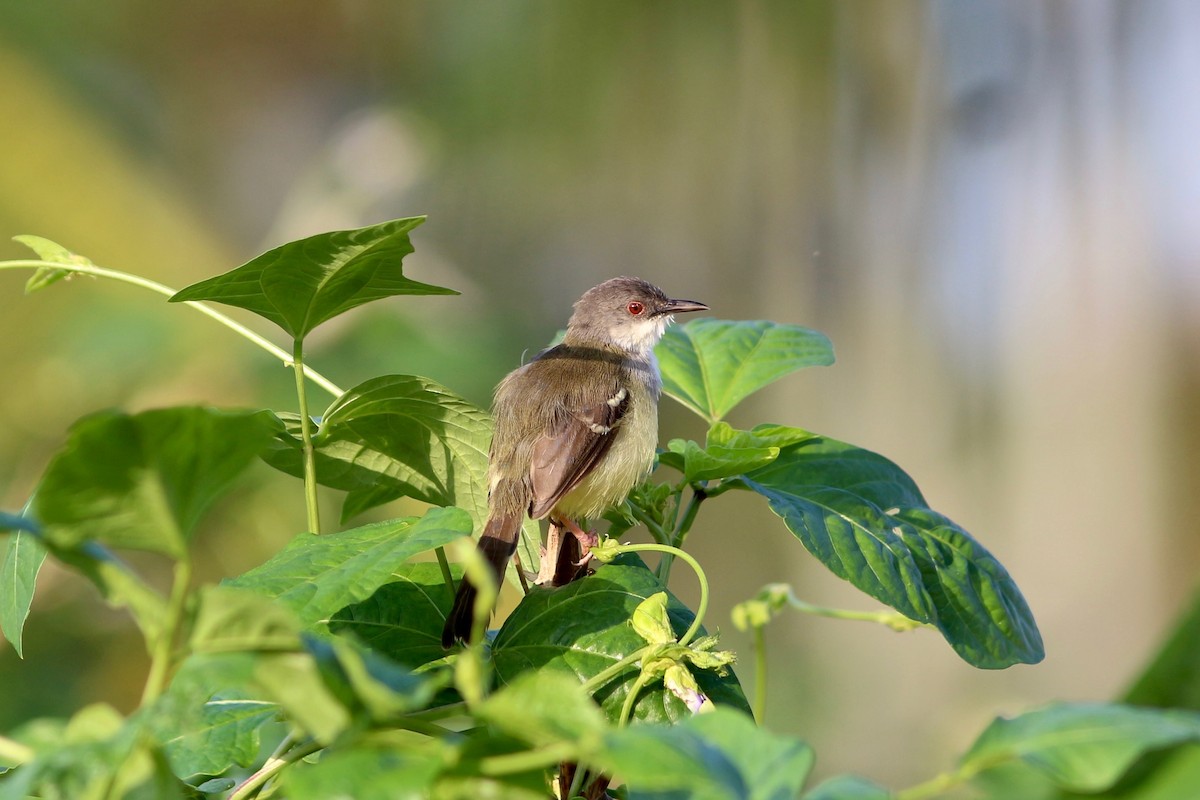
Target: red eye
point(635, 308)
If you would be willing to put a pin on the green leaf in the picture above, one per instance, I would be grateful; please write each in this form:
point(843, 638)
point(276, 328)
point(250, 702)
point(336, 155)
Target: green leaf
point(1171, 678)
point(49, 251)
point(1081, 747)
point(403, 619)
point(368, 682)
point(234, 620)
point(865, 519)
point(712, 756)
point(403, 436)
point(98, 756)
point(848, 787)
point(715, 461)
point(19, 569)
point(296, 682)
point(583, 628)
point(118, 584)
point(225, 733)
point(546, 708)
point(315, 576)
point(710, 365)
point(366, 772)
point(301, 284)
point(143, 481)
point(212, 715)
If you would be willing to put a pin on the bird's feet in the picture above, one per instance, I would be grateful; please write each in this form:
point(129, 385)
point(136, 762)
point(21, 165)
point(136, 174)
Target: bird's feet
point(587, 540)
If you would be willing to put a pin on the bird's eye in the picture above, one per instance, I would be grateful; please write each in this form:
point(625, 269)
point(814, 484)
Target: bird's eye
point(635, 308)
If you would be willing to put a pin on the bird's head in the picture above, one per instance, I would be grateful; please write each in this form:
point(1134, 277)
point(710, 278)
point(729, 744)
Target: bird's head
point(626, 312)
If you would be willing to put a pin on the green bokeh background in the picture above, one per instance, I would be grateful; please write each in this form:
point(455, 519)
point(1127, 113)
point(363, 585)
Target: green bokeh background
point(989, 207)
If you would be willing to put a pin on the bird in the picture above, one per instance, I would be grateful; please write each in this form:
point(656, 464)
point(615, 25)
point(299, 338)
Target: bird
point(575, 428)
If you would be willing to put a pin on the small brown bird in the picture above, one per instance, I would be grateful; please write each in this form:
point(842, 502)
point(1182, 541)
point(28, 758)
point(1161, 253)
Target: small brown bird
point(576, 428)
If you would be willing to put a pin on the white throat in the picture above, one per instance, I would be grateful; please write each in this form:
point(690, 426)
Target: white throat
point(640, 336)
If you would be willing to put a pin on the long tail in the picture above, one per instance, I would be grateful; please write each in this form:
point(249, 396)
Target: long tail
point(497, 544)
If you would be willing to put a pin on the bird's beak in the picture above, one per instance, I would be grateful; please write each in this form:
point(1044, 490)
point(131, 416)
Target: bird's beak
point(679, 306)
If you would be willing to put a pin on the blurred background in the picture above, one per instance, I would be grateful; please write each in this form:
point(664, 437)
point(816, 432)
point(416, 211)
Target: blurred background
point(993, 208)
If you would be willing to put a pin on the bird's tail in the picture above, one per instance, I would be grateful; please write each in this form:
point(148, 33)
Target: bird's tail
point(497, 544)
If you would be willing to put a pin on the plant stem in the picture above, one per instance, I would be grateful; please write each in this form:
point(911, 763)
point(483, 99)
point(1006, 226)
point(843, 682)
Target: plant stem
point(934, 787)
point(655, 529)
point(268, 770)
point(203, 308)
point(164, 645)
point(445, 565)
point(892, 619)
point(608, 673)
point(681, 532)
point(310, 456)
point(13, 752)
point(760, 674)
point(631, 698)
point(702, 607)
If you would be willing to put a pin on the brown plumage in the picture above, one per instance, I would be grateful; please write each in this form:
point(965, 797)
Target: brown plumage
point(576, 427)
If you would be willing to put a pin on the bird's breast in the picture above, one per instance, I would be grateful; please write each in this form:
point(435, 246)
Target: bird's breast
point(626, 463)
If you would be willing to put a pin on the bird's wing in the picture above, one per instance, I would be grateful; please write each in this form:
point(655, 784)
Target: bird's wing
point(572, 446)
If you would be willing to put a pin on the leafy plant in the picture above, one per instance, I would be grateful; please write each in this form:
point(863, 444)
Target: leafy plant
point(328, 654)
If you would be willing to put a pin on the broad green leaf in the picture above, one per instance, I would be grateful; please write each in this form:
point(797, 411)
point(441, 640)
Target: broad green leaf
point(315, 576)
point(710, 365)
point(334, 682)
point(717, 756)
point(23, 557)
point(369, 683)
point(235, 620)
point(583, 628)
point(403, 619)
point(49, 251)
point(143, 481)
point(225, 733)
point(865, 519)
point(403, 436)
point(1171, 679)
point(212, 716)
point(1081, 747)
point(546, 708)
point(765, 435)
point(715, 461)
point(118, 584)
point(301, 284)
point(849, 787)
point(296, 682)
point(366, 773)
point(98, 756)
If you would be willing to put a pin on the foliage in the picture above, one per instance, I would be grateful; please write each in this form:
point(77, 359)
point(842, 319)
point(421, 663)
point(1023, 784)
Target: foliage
point(328, 654)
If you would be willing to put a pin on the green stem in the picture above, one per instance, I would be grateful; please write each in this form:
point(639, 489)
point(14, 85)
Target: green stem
point(893, 619)
point(13, 752)
point(576, 782)
point(203, 308)
point(310, 456)
point(608, 673)
point(164, 645)
point(513, 763)
point(702, 607)
point(655, 530)
point(445, 565)
point(681, 529)
point(934, 787)
point(760, 674)
point(631, 698)
point(268, 770)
